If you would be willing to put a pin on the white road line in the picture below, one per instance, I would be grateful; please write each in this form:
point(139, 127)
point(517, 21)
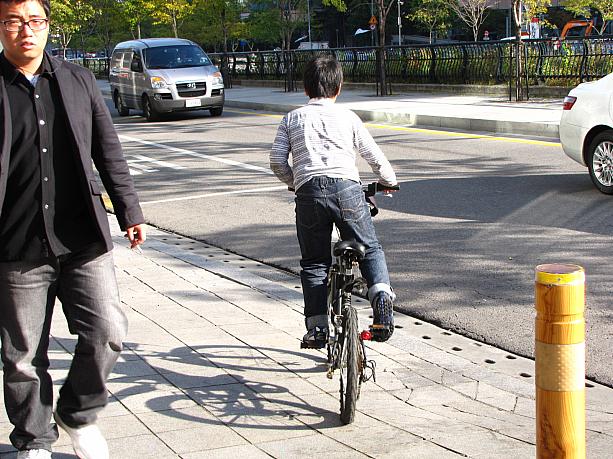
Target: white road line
point(141, 167)
point(147, 159)
point(195, 154)
point(221, 193)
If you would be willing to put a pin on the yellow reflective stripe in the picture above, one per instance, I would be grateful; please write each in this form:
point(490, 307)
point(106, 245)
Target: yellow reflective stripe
point(560, 367)
point(559, 274)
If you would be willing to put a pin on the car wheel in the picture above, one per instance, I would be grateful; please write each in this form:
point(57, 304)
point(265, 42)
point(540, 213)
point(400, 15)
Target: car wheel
point(600, 161)
point(121, 108)
point(150, 113)
point(217, 111)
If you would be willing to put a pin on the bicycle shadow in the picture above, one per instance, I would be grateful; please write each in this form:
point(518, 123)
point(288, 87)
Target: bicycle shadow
point(247, 398)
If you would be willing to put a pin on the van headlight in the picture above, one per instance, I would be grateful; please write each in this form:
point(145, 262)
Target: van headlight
point(217, 78)
point(158, 83)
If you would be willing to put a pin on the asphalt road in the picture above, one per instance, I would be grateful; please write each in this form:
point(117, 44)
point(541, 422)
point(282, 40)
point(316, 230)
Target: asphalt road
point(474, 217)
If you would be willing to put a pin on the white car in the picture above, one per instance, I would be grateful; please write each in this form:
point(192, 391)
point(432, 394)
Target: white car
point(586, 129)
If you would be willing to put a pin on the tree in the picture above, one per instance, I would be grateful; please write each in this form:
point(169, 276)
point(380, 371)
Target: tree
point(216, 22)
point(135, 12)
point(383, 7)
point(69, 17)
point(107, 22)
point(264, 25)
point(585, 7)
point(472, 12)
point(171, 12)
point(433, 14)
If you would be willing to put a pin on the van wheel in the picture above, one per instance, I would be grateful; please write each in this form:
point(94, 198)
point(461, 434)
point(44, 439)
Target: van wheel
point(600, 161)
point(217, 111)
point(121, 108)
point(150, 113)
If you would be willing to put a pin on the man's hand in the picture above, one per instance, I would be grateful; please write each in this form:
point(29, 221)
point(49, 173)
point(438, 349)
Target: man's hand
point(136, 235)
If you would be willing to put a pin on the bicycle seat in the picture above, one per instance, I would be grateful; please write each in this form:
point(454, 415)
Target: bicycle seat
point(351, 247)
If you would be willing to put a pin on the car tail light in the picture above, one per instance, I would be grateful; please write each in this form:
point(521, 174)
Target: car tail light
point(569, 101)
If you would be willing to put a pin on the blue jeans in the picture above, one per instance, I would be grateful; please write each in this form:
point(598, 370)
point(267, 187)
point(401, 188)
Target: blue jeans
point(85, 284)
point(320, 203)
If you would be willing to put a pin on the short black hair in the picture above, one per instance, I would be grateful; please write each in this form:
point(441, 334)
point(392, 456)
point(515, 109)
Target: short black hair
point(46, 4)
point(323, 77)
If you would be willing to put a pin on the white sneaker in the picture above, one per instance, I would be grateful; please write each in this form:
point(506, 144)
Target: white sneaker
point(34, 454)
point(87, 441)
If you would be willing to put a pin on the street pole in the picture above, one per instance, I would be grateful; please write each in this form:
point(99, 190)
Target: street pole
point(399, 23)
point(372, 31)
point(309, 21)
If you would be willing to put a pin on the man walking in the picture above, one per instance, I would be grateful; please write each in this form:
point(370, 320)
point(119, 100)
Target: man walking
point(54, 236)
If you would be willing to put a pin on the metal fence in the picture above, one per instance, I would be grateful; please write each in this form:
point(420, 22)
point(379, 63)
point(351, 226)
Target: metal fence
point(98, 65)
point(547, 62)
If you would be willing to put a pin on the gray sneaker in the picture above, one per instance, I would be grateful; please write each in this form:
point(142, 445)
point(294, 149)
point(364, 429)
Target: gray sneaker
point(383, 317)
point(315, 338)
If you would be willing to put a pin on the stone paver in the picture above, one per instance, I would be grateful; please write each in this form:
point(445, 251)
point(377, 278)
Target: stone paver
point(212, 368)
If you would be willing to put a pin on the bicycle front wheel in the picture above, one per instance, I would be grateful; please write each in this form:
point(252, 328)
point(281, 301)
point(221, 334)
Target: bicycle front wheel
point(350, 362)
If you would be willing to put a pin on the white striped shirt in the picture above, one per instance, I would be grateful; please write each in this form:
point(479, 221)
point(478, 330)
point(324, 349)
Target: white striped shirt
point(323, 139)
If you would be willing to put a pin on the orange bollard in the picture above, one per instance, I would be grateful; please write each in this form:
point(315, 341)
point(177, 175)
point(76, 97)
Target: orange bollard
point(560, 361)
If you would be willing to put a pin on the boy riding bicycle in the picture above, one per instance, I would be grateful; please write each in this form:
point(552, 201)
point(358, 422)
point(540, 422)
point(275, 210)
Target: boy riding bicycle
point(323, 140)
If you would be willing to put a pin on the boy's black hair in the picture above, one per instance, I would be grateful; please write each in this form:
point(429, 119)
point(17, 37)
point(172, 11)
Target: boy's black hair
point(323, 77)
point(46, 4)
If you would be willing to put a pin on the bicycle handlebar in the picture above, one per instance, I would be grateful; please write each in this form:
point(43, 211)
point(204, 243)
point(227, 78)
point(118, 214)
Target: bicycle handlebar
point(370, 189)
point(373, 188)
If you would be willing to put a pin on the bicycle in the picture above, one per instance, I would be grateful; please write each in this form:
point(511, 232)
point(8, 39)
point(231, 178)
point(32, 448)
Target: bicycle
point(345, 347)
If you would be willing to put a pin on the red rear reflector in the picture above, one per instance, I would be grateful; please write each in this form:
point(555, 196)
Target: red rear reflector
point(366, 335)
point(569, 101)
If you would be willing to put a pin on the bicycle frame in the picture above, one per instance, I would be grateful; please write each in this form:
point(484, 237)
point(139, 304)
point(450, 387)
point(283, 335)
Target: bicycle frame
point(341, 282)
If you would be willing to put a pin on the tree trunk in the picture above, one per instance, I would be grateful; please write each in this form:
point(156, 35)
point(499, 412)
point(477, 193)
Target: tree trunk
point(224, 30)
point(520, 92)
point(381, 49)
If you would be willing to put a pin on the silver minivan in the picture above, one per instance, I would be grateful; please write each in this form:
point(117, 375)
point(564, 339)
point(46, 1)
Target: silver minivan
point(163, 75)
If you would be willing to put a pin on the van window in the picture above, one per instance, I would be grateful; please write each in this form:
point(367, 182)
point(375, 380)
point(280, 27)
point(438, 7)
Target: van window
point(135, 58)
point(116, 59)
point(175, 57)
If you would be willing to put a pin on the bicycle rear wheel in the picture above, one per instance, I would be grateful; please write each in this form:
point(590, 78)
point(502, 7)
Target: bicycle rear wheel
point(350, 362)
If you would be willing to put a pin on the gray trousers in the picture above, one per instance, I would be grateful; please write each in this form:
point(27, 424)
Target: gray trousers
point(85, 284)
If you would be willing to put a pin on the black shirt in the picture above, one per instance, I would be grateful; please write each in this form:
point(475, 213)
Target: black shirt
point(45, 212)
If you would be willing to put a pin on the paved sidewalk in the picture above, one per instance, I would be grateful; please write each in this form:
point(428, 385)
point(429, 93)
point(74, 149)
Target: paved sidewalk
point(486, 114)
point(212, 369)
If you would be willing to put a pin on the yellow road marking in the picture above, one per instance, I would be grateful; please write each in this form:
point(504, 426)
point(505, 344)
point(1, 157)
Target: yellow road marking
point(542, 143)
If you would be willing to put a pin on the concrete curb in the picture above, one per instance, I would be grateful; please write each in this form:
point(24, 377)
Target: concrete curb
point(547, 130)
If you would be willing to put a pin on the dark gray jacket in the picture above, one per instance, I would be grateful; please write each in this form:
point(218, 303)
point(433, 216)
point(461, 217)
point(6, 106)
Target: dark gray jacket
point(91, 127)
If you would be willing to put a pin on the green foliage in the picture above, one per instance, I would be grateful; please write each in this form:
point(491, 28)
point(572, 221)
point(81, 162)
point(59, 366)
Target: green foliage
point(433, 15)
point(584, 8)
point(339, 5)
point(69, 16)
point(170, 12)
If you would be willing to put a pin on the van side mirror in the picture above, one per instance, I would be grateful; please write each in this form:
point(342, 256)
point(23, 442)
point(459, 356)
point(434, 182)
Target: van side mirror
point(136, 66)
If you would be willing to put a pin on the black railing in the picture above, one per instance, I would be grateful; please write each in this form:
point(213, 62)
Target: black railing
point(547, 62)
point(98, 65)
